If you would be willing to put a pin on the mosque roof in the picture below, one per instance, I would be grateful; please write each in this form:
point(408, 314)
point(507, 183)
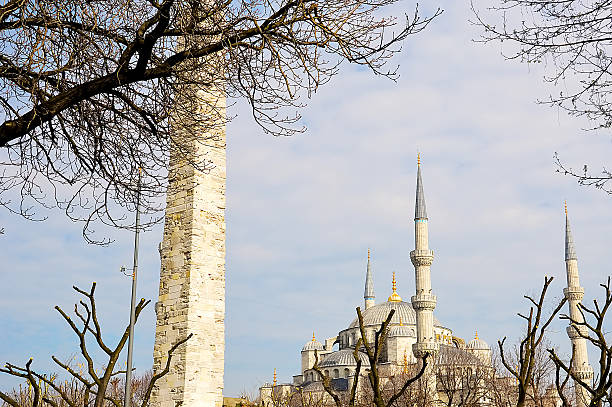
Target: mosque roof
point(344, 357)
point(312, 344)
point(477, 344)
point(378, 313)
point(451, 355)
point(402, 330)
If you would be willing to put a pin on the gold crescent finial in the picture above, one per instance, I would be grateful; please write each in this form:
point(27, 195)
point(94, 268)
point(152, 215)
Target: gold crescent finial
point(394, 296)
point(565, 207)
point(401, 324)
point(368, 254)
point(419, 159)
point(476, 336)
point(405, 363)
point(313, 337)
point(274, 377)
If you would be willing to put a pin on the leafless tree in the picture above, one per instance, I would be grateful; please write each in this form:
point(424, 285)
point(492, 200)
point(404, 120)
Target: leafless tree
point(593, 328)
point(89, 87)
point(502, 388)
point(573, 39)
point(526, 369)
point(91, 384)
point(76, 391)
point(462, 378)
point(380, 398)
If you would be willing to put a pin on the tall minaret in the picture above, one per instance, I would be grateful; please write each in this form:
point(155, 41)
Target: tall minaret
point(574, 294)
point(424, 301)
point(368, 295)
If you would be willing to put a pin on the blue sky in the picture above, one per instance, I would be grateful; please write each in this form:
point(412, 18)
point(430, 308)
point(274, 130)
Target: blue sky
point(302, 211)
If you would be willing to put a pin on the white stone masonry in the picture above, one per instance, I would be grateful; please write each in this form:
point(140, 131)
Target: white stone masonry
point(192, 277)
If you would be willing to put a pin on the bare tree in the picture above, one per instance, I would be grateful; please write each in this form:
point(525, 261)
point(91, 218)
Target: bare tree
point(380, 398)
point(89, 87)
point(462, 378)
point(593, 329)
point(573, 39)
point(92, 385)
point(526, 369)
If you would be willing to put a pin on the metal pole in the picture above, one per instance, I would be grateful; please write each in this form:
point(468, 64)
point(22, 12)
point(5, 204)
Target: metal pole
point(128, 375)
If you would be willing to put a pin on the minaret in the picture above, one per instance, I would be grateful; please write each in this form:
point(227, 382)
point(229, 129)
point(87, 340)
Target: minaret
point(368, 295)
point(424, 301)
point(574, 294)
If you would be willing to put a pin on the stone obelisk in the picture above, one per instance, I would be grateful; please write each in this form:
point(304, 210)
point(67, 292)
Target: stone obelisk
point(192, 277)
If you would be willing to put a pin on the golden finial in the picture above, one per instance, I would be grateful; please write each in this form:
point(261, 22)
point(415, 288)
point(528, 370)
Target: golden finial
point(274, 379)
point(401, 322)
point(419, 159)
point(405, 363)
point(313, 337)
point(565, 202)
point(394, 297)
point(368, 254)
point(476, 335)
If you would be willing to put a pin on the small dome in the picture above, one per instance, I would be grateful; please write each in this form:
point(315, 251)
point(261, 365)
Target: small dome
point(344, 357)
point(312, 345)
point(377, 314)
point(401, 330)
point(477, 344)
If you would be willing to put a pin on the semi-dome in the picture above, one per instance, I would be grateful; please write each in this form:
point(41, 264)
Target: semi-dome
point(312, 344)
point(477, 344)
point(344, 357)
point(378, 313)
point(401, 330)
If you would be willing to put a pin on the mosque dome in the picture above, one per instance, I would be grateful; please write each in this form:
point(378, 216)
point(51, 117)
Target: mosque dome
point(344, 357)
point(477, 344)
point(313, 344)
point(378, 313)
point(401, 330)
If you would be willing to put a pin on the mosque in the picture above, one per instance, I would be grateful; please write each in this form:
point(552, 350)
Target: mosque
point(413, 330)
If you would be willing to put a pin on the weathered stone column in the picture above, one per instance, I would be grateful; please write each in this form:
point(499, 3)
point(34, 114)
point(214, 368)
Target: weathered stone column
point(192, 277)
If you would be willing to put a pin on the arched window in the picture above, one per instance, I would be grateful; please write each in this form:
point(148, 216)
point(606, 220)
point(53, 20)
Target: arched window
point(327, 373)
point(346, 373)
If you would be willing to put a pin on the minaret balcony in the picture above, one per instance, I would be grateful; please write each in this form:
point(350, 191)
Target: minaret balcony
point(574, 293)
point(584, 373)
point(421, 349)
point(424, 301)
point(422, 257)
point(577, 331)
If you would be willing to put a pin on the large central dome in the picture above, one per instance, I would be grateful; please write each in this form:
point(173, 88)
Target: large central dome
point(377, 314)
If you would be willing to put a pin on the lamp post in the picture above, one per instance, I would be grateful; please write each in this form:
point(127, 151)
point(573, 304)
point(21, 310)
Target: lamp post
point(128, 375)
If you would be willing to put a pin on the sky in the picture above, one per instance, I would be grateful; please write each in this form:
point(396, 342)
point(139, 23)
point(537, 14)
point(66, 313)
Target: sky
point(303, 210)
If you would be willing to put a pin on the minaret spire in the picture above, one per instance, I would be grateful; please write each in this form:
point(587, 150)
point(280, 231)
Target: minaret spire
point(420, 211)
point(574, 294)
point(424, 302)
point(570, 250)
point(368, 294)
